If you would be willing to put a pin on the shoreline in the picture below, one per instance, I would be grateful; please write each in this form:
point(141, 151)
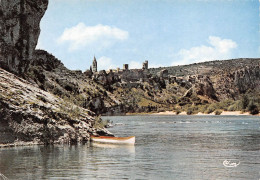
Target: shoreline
point(172, 113)
point(224, 113)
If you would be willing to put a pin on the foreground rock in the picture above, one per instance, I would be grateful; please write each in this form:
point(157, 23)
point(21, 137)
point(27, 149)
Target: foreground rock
point(31, 115)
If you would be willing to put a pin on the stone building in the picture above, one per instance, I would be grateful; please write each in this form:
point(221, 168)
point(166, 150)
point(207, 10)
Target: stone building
point(94, 65)
point(163, 73)
point(125, 67)
point(145, 65)
point(123, 76)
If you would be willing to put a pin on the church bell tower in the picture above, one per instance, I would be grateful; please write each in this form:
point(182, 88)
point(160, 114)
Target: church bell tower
point(94, 65)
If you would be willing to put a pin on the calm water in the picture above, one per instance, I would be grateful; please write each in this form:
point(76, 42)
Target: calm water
point(167, 147)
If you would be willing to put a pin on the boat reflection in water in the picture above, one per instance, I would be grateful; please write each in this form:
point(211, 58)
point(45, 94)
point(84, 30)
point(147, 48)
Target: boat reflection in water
point(128, 148)
point(114, 140)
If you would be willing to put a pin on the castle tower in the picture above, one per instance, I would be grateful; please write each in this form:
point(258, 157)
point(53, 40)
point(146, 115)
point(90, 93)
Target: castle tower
point(94, 65)
point(145, 65)
point(125, 67)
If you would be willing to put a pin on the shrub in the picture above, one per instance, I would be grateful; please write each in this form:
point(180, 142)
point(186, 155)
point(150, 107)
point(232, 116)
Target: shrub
point(178, 112)
point(74, 112)
point(99, 123)
point(203, 108)
point(225, 104)
point(218, 112)
point(210, 109)
point(244, 101)
point(236, 106)
point(189, 111)
point(231, 108)
point(252, 108)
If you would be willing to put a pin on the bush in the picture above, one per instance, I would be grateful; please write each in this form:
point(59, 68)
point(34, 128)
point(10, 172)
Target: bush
point(99, 123)
point(236, 106)
point(244, 101)
point(189, 111)
point(203, 108)
point(178, 112)
point(225, 104)
point(74, 112)
point(252, 108)
point(218, 112)
point(210, 109)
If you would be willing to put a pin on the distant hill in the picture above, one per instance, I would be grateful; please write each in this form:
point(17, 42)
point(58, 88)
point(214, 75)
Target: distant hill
point(209, 67)
point(152, 90)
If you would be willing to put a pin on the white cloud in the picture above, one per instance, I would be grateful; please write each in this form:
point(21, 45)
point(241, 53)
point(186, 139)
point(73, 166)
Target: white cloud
point(105, 63)
point(218, 49)
point(222, 45)
point(100, 36)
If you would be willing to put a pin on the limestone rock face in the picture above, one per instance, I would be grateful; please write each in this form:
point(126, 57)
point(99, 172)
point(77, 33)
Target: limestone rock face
point(31, 115)
point(205, 88)
point(247, 78)
point(19, 32)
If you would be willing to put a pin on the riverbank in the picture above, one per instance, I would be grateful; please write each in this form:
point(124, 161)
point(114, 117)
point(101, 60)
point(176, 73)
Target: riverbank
point(225, 113)
point(20, 143)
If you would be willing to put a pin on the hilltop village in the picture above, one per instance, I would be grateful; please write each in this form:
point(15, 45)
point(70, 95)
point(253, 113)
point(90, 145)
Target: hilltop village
point(125, 77)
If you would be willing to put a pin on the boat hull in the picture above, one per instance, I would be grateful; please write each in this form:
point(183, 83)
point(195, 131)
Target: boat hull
point(114, 140)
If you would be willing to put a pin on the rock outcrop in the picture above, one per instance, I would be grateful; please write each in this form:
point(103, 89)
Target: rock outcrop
point(51, 75)
point(19, 32)
point(247, 78)
point(31, 115)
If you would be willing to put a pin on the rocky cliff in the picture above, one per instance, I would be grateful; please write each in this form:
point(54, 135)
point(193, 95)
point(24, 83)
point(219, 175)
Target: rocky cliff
point(157, 90)
point(51, 75)
point(31, 115)
point(19, 32)
point(28, 113)
point(179, 87)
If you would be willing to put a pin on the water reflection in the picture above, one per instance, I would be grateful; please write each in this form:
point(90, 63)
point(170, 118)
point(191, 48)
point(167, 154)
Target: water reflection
point(72, 162)
point(123, 147)
point(166, 148)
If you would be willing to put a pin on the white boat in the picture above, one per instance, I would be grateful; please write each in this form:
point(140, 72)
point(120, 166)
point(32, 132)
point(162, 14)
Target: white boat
point(113, 140)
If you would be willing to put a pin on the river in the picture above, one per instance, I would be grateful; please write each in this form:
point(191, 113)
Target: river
point(167, 147)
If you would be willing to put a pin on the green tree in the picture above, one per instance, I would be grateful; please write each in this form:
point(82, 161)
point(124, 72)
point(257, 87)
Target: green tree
point(244, 101)
point(252, 108)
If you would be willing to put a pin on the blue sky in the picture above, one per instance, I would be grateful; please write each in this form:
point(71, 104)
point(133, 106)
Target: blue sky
point(165, 32)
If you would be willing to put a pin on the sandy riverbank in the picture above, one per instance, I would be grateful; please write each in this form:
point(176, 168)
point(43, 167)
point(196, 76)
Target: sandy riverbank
point(226, 113)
